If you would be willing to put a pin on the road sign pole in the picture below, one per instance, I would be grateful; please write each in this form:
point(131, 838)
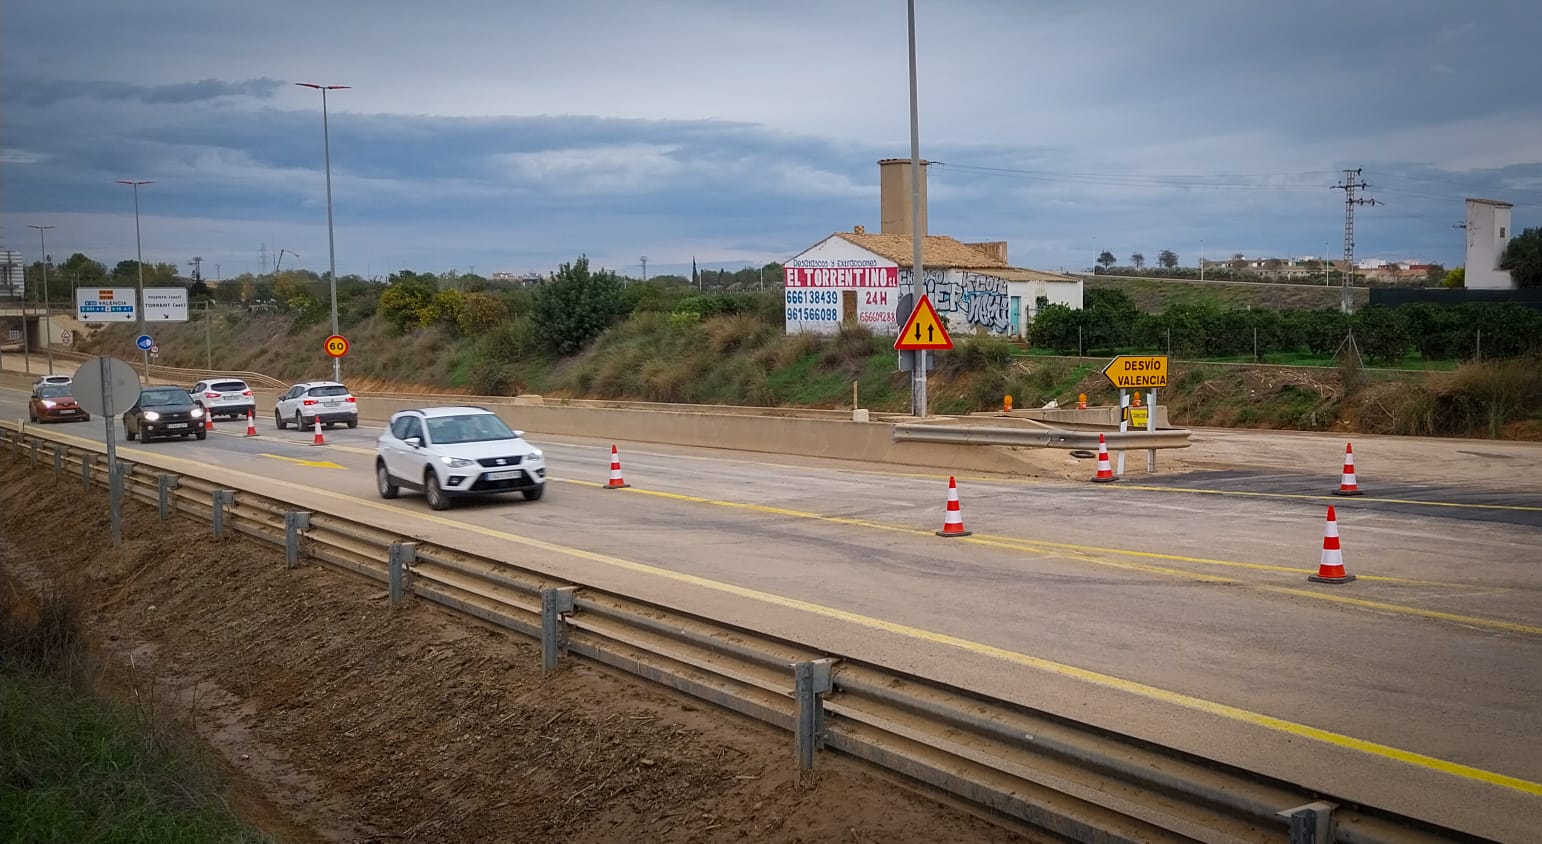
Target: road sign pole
point(1124, 425)
point(114, 483)
point(1151, 414)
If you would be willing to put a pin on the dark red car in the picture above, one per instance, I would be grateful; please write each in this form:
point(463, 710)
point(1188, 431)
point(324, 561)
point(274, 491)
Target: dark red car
point(53, 403)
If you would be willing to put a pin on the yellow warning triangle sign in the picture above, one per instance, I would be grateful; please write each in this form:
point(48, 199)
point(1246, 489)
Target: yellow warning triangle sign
point(924, 330)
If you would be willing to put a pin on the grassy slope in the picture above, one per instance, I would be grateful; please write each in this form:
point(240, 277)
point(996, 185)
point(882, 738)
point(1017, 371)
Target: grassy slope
point(1156, 294)
point(747, 361)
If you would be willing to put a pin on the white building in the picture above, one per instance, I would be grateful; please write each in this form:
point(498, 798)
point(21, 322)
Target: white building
point(858, 278)
point(1488, 233)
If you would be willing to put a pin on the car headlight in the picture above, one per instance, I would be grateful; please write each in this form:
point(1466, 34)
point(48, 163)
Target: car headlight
point(151, 416)
point(197, 412)
point(47, 403)
point(537, 456)
point(457, 462)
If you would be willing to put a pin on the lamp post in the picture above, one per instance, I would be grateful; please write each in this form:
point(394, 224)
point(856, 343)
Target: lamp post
point(48, 314)
point(139, 257)
point(917, 272)
point(326, 146)
point(1201, 260)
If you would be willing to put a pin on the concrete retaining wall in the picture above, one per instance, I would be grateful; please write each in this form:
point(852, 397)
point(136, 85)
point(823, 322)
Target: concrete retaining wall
point(830, 438)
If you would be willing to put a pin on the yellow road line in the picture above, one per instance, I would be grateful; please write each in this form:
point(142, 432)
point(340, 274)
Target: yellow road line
point(1086, 554)
point(1107, 681)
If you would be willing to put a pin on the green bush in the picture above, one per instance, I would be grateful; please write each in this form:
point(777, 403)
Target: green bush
point(575, 306)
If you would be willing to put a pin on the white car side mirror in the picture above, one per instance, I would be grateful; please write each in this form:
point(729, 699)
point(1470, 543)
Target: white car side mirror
point(415, 442)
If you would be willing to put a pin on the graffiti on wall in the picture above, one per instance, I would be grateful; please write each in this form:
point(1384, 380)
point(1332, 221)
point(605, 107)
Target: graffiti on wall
point(980, 300)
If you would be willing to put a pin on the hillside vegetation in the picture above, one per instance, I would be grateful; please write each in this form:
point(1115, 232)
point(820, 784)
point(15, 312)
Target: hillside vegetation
point(585, 334)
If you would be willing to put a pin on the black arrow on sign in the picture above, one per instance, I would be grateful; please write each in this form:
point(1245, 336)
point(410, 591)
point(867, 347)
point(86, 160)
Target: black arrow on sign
point(929, 333)
point(918, 332)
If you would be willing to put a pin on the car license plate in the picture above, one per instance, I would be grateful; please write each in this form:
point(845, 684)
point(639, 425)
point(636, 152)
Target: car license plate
point(331, 404)
point(177, 425)
point(230, 398)
point(69, 411)
point(504, 476)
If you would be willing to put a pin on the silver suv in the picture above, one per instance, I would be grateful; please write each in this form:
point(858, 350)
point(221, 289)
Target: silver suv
point(450, 452)
point(224, 397)
point(328, 401)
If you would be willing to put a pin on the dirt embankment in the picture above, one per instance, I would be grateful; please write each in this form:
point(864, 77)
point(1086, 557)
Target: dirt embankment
point(339, 719)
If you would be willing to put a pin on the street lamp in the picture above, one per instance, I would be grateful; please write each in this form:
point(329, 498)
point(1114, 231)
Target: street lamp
point(326, 146)
point(1201, 259)
point(139, 256)
point(48, 314)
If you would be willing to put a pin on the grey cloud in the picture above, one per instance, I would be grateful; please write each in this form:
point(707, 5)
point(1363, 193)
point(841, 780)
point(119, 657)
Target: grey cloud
point(48, 92)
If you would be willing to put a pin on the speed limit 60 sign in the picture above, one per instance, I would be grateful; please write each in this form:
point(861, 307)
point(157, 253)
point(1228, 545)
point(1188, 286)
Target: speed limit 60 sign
point(336, 345)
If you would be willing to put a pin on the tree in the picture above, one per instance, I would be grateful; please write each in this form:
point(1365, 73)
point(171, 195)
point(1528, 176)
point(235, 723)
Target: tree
point(408, 301)
point(82, 271)
point(1168, 259)
point(1434, 274)
point(575, 306)
point(1106, 259)
point(1523, 258)
point(480, 313)
point(1138, 260)
point(1455, 278)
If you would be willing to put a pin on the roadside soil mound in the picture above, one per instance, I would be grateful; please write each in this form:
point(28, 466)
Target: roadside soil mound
point(339, 719)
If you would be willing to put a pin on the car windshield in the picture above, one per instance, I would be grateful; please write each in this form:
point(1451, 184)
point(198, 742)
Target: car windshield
point(164, 396)
point(228, 386)
point(331, 390)
point(53, 391)
point(470, 428)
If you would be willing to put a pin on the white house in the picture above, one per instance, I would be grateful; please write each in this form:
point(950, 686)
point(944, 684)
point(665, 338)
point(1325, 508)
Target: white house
point(1488, 233)
point(858, 278)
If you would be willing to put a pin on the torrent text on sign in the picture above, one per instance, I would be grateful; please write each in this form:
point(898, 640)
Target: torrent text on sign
point(1130, 372)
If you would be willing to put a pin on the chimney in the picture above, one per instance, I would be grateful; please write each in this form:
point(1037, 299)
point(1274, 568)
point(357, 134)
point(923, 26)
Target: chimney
point(894, 196)
point(996, 249)
point(859, 229)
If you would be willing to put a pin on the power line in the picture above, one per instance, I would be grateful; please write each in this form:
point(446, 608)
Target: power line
point(1222, 181)
point(1349, 185)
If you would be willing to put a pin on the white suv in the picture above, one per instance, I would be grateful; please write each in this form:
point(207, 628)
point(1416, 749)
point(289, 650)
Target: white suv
point(328, 401)
point(450, 452)
point(224, 397)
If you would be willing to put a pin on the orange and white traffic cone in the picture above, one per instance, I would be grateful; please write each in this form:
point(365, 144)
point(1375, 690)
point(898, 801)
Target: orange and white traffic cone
point(1105, 473)
point(251, 424)
point(953, 521)
point(208, 420)
point(1348, 486)
point(616, 481)
point(318, 439)
point(1331, 569)
point(1081, 401)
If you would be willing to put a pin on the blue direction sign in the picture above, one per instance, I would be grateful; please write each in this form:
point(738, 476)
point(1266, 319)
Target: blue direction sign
point(144, 342)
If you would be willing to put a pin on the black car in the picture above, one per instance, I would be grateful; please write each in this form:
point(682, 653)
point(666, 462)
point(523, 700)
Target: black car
point(164, 412)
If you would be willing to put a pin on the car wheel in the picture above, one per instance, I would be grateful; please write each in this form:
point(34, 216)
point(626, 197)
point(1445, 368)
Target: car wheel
point(31, 417)
point(202, 435)
point(299, 421)
point(534, 493)
point(436, 497)
point(383, 481)
point(278, 419)
point(128, 432)
point(353, 423)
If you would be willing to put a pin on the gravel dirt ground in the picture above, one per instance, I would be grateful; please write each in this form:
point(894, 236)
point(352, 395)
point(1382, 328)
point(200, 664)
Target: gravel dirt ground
point(338, 719)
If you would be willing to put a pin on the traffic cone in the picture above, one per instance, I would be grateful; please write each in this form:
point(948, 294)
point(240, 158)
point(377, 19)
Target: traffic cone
point(251, 424)
point(1136, 401)
point(1081, 401)
point(1331, 569)
point(953, 521)
point(615, 471)
point(319, 440)
point(208, 420)
point(1347, 485)
point(1105, 473)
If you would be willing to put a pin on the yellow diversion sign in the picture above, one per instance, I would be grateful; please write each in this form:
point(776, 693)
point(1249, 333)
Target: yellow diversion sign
point(1132, 372)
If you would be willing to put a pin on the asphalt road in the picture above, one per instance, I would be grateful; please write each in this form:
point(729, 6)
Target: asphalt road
point(1174, 606)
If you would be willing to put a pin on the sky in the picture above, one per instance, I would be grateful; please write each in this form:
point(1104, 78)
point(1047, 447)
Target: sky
point(514, 135)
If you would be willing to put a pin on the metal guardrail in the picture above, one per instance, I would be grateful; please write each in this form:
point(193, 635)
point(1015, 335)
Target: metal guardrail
point(1039, 437)
point(1083, 783)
